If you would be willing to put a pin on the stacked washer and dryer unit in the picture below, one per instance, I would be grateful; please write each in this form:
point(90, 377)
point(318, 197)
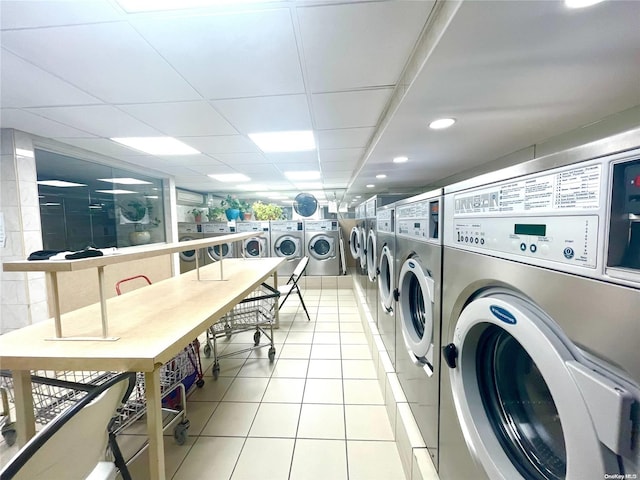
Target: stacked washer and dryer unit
point(540, 330)
point(287, 240)
point(418, 291)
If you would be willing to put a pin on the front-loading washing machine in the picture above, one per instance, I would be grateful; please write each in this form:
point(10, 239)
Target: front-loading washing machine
point(214, 253)
point(287, 240)
point(322, 239)
point(418, 263)
point(258, 246)
point(186, 232)
point(540, 332)
point(361, 261)
point(386, 245)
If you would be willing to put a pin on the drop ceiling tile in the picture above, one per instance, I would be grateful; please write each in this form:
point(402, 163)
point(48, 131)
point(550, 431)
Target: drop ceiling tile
point(102, 146)
point(211, 168)
point(47, 13)
point(344, 138)
point(266, 114)
point(348, 156)
point(100, 120)
point(310, 157)
point(222, 144)
point(28, 122)
point(265, 172)
point(181, 118)
point(230, 56)
point(108, 60)
point(191, 161)
point(349, 109)
point(23, 85)
point(338, 167)
point(240, 158)
point(359, 45)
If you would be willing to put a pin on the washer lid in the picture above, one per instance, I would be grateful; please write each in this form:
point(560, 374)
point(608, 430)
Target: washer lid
point(385, 279)
point(322, 247)
point(354, 243)
point(287, 246)
point(530, 405)
point(372, 262)
point(415, 305)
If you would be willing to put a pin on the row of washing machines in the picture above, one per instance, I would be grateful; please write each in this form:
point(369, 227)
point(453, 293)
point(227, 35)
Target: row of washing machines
point(510, 307)
point(319, 239)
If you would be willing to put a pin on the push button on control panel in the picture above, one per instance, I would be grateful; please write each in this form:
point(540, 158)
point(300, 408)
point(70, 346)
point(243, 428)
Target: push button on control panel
point(568, 253)
point(533, 248)
point(523, 247)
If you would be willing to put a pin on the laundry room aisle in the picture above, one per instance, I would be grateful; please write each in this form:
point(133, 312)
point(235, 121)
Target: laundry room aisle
point(316, 413)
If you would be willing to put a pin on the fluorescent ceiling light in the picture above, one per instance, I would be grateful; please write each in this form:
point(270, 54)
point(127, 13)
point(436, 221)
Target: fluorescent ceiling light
point(400, 160)
point(157, 145)
point(53, 204)
point(231, 177)
point(358, 196)
point(21, 152)
point(304, 176)
point(308, 186)
point(442, 123)
point(153, 197)
point(116, 191)
point(125, 181)
point(580, 3)
point(381, 175)
point(371, 185)
point(134, 6)
point(294, 141)
point(60, 183)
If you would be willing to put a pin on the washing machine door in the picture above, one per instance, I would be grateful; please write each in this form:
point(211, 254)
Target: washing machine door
point(254, 247)
point(322, 247)
point(385, 279)
point(416, 290)
point(362, 253)
point(188, 255)
point(287, 246)
point(215, 252)
point(530, 404)
point(354, 243)
point(372, 262)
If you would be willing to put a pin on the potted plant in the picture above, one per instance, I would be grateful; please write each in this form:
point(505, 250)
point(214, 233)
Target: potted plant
point(214, 213)
point(267, 211)
point(231, 206)
point(197, 214)
point(245, 208)
point(138, 212)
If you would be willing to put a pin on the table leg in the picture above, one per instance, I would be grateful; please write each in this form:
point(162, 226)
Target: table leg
point(154, 425)
point(25, 420)
point(276, 322)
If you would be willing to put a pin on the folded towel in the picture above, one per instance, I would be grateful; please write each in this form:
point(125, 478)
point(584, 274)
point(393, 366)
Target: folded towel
point(86, 253)
point(43, 254)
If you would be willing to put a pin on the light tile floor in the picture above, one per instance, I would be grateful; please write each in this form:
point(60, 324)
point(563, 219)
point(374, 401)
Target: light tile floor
point(315, 413)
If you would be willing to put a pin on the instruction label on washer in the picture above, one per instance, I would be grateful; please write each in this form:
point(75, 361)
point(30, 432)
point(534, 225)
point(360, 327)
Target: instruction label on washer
point(384, 222)
point(573, 189)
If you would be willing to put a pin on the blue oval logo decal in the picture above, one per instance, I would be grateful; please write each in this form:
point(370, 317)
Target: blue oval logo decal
point(503, 315)
point(412, 265)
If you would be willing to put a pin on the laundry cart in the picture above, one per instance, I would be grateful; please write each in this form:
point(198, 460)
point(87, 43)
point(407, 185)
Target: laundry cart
point(255, 312)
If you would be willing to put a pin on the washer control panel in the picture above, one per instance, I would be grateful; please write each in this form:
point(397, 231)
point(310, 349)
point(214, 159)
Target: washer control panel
point(419, 220)
point(288, 226)
point(384, 220)
point(563, 239)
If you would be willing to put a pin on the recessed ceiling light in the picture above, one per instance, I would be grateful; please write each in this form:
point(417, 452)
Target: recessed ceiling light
point(580, 3)
point(134, 6)
point(381, 175)
point(157, 145)
point(442, 123)
point(125, 181)
point(230, 177)
point(303, 175)
point(400, 159)
point(116, 191)
point(294, 141)
point(60, 183)
point(308, 186)
point(371, 185)
point(358, 196)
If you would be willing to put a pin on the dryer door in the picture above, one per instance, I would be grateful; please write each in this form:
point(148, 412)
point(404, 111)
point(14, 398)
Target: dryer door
point(415, 305)
point(362, 253)
point(287, 246)
point(188, 255)
point(354, 243)
point(385, 279)
point(372, 262)
point(254, 247)
point(216, 251)
point(530, 404)
point(322, 247)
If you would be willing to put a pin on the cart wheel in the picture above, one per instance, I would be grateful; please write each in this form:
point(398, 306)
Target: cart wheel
point(200, 383)
point(215, 371)
point(9, 433)
point(256, 338)
point(207, 350)
point(272, 354)
point(227, 330)
point(180, 432)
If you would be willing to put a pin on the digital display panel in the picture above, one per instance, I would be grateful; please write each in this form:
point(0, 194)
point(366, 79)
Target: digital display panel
point(530, 229)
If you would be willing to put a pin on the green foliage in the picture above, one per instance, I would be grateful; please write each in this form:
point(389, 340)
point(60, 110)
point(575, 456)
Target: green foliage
point(267, 211)
point(230, 202)
point(214, 213)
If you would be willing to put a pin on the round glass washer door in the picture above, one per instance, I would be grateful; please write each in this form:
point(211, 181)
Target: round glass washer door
point(521, 411)
point(188, 255)
point(354, 243)
point(385, 279)
point(254, 247)
point(415, 304)
point(372, 262)
point(362, 253)
point(215, 252)
point(287, 246)
point(322, 247)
